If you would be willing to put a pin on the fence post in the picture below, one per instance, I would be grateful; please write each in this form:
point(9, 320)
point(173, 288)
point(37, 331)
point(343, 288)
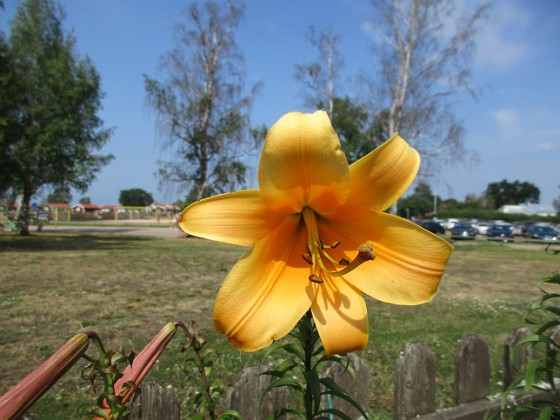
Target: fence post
point(247, 390)
point(357, 387)
point(155, 403)
point(415, 382)
point(472, 369)
point(515, 359)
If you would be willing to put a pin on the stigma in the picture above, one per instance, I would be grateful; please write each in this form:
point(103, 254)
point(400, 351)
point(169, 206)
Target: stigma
point(317, 252)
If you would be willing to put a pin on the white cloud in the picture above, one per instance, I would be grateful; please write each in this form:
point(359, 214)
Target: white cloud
point(508, 121)
point(546, 146)
point(502, 43)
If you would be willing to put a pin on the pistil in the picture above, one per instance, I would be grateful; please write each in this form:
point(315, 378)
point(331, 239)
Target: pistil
point(316, 250)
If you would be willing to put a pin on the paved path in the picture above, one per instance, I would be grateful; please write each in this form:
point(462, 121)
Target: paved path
point(162, 232)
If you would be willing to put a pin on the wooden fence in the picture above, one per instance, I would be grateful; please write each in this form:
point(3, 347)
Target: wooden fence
point(414, 393)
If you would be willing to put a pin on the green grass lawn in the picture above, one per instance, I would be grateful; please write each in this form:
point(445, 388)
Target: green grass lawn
point(126, 288)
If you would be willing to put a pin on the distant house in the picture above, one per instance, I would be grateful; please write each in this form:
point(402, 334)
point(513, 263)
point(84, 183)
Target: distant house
point(56, 206)
point(108, 209)
point(165, 208)
point(86, 208)
point(528, 209)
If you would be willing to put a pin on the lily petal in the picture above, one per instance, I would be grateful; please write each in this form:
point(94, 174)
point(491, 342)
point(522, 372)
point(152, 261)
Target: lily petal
point(409, 261)
point(340, 315)
point(267, 291)
point(302, 165)
point(382, 176)
point(239, 218)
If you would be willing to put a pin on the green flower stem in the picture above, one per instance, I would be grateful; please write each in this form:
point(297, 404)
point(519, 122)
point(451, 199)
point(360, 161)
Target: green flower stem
point(309, 336)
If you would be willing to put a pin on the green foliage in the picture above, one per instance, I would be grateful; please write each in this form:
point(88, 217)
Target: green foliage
point(50, 130)
point(415, 205)
point(542, 373)
point(419, 204)
point(60, 195)
point(300, 373)
point(354, 129)
point(484, 214)
point(504, 192)
point(135, 197)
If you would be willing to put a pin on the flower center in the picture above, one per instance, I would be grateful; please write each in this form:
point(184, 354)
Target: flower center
point(317, 252)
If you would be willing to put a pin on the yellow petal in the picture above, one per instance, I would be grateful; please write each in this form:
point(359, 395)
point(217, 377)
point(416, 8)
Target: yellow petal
point(340, 315)
point(302, 165)
point(382, 176)
point(409, 261)
point(267, 291)
point(239, 218)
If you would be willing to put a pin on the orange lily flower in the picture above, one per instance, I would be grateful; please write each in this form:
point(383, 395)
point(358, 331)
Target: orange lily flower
point(318, 238)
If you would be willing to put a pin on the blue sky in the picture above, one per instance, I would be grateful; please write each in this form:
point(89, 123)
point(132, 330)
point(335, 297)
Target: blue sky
point(514, 126)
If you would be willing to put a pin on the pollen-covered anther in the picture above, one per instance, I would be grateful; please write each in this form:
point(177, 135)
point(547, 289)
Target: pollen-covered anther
point(307, 258)
point(313, 278)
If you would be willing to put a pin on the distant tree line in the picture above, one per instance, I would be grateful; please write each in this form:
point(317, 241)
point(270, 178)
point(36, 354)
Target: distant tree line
point(423, 203)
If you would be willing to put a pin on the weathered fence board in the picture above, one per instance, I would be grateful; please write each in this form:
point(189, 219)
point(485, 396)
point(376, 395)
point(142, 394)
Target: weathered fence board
point(155, 403)
point(515, 359)
point(472, 369)
point(247, 390)
point(415, 382)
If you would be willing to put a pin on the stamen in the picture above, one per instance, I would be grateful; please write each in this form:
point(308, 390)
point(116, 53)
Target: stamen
point(365, 253)
point(344, 261)
point(317, 254)
point(313, 278)
point(307, 258)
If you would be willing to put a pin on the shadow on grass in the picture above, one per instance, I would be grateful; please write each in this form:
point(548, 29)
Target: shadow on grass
point(70, 241)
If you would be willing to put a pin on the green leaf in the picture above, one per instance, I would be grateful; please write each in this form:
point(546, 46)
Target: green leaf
point(337, 391)
point(336, 412)
point(288, 347)
point(230, 415)
point(279, 383)
point(314, 383)
point(282, 412)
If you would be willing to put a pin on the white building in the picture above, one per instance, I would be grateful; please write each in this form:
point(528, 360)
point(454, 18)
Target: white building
point(528, 209)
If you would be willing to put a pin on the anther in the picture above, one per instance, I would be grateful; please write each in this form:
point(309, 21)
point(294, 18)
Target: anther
point(307, 259)
point(321, 244)
point(337, 243)
point(313, 278)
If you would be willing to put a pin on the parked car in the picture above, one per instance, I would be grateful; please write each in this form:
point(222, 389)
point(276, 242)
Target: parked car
point(463, 230)
point(500, 232)
point(450, 224)
point(525, 228)
point(482, 228)
point(518, 228)
point(541, 232)
point(432, 226)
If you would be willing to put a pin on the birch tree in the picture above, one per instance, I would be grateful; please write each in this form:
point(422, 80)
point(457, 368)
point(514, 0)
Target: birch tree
point(200, 104)
point(425, 50)
point(320, 77)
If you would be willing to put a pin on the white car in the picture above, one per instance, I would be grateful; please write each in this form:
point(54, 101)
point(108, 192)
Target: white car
point(482, 228)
